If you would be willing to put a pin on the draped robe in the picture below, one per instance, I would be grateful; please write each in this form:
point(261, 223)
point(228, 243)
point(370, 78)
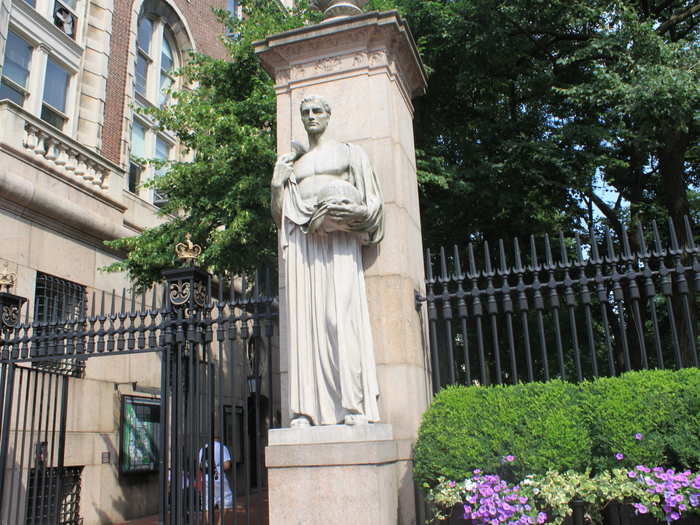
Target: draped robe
point(332, 370)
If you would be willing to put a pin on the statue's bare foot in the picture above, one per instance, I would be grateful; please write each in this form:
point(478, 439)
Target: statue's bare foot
point(356, 419)
point(300, 422)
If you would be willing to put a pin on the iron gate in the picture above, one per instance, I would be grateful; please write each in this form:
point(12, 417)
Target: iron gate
point(213, 337)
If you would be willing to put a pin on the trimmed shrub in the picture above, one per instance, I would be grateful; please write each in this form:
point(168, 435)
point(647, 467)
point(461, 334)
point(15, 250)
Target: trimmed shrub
point(476, 427)
point(651, 417)
point(684, 443)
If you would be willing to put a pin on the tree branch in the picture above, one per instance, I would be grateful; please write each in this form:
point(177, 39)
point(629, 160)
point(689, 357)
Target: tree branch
point(676, 19)
point(606, 210)
point(665, 5)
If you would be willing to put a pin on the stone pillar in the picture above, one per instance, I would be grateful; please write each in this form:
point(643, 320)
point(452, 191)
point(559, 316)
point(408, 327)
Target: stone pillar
point(93, 85)
point(368, 68)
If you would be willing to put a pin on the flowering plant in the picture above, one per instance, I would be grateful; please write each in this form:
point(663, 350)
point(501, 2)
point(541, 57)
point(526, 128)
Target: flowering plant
point(668, 494)
point(489, 500)
point(486, 500)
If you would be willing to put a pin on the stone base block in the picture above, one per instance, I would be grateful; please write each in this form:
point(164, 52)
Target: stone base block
point(333, 474)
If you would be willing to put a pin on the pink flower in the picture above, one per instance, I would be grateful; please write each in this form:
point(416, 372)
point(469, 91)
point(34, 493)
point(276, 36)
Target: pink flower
point(619, 456)
point(638, 436)
point(639, 508)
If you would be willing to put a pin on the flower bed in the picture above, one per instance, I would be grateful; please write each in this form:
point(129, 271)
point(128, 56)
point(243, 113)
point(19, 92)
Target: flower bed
point(612, 497)
point(523, 454)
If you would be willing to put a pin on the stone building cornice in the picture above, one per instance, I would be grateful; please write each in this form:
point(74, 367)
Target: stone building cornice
point(344, 45)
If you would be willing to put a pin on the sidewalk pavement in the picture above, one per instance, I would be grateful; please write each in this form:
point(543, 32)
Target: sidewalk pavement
point(258, 513)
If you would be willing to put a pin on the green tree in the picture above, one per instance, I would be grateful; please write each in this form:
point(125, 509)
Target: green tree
point(532, 103)
point(228, 123)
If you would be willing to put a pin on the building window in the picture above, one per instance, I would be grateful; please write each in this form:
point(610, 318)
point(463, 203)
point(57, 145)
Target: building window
point(143, 59)
point(58, 306)
point(64, 16)
point(63, 13)
point(55, 90)
point(234, 8)
point(146, 142)
point(51, 490)
point(24, 63)
point(157, 58)
point(138, 151)
point(166, 71)
point(163, 152)
point(15, 70)
point(58, 300)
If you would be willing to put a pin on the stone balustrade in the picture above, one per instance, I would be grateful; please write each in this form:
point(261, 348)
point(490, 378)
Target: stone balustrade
point(55, 150)
point(59, 154)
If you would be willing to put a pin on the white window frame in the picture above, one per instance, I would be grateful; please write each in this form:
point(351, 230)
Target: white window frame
point(153, 63)
point(148, 171)
point(46, 8)
point(23, 90)
point(151, 98)
point(47, 40)
point(34, 90)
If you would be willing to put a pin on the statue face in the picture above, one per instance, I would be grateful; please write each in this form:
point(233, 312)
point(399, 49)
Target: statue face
point(314, 117)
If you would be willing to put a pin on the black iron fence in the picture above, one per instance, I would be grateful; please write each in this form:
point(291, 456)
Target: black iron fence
point(213, 340)
point(570, 308)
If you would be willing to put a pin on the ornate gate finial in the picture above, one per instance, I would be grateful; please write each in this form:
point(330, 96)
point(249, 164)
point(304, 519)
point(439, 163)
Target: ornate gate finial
point(7, 279)
point(188, 251)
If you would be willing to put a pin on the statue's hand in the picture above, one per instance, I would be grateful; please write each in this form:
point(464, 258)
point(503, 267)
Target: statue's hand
point(348, 213)
point(284, 170)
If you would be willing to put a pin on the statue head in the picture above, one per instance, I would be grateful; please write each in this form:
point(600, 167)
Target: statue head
point(315, 113)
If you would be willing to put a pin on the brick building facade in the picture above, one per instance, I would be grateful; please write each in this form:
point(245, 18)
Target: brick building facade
point(74, 75)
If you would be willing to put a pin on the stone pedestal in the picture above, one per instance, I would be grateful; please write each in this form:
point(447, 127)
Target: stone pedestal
point(332, 474)
point(368, 69)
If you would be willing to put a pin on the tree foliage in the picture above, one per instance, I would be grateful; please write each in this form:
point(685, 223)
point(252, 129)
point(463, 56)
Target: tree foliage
point(226, 121)
point(535, 107)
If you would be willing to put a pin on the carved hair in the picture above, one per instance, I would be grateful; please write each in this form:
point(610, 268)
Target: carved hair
point(316, 98)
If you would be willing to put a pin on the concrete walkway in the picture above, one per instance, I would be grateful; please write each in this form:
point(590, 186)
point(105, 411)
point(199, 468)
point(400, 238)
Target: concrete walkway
point(258, 513)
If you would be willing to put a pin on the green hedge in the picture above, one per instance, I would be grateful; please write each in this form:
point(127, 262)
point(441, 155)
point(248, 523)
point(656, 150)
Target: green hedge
point(475, 427)
point(562, 426)
point(662, 406)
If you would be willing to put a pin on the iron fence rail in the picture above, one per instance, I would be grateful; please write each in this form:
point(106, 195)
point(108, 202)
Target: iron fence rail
point(211, 334)
point(565, 309)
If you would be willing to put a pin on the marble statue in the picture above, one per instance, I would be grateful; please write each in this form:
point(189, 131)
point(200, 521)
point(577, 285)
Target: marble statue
point(327, 204)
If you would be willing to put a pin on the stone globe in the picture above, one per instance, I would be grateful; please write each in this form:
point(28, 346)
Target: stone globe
point(338, 8)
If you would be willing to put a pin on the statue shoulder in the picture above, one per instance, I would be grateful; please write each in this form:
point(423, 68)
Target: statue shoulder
point(357, 153)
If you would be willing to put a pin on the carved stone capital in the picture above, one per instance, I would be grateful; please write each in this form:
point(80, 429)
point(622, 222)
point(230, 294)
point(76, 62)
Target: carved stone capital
point(343, 46)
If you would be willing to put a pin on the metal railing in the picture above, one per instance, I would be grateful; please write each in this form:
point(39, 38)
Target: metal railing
point(214, 340)
point(568, 309)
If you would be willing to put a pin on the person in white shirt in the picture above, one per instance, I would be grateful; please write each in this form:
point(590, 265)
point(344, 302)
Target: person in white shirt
point(218, 477)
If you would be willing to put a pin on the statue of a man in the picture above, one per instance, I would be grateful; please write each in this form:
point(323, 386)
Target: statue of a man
point(327, 203)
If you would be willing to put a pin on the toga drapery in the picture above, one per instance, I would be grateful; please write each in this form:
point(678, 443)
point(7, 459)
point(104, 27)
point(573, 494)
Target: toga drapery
point(332, 369)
